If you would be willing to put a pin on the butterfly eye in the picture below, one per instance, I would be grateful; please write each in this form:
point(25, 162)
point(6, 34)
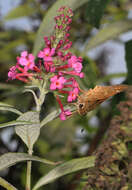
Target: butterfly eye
point(81, 106)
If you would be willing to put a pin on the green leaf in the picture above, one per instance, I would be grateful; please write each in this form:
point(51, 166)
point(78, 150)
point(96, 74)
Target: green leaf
point(10, 159)
point(47, 25)
point(6, 184)
point(15, 123)
point(109, 32)
point(49, 118)
point(53, 115)
point(108, 77)
point(95, 10)
point(20, 11)
point(30, 133)
point(66, 168)
point(128, 57)
point(13, 44)
point(7, 86)
point(7, 107)
point(10, 109)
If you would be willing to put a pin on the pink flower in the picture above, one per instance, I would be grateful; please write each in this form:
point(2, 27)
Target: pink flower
point(81, 75)
point(47, 54)
point(73, 95)
point(19, 73)
point(65, 113)
point(48, 65)
point(57, 82)
point(47, 41)
point(72, 60)
point(12, 73)
point(75, 63)
point(74, 83)
point(63, 65)
point(26, 60)
point(67, 46)
point(77, 67)
point(24, 63)
point(52, 69)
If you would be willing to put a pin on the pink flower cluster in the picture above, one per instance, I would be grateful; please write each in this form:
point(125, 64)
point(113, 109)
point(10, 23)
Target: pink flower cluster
point(23, 70)
point(55, 60)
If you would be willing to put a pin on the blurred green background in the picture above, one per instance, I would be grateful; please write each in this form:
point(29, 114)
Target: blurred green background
point(95, 22)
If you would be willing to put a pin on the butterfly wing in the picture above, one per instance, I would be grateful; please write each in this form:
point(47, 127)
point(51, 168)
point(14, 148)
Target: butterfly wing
point(93, 97)
point(104, 92)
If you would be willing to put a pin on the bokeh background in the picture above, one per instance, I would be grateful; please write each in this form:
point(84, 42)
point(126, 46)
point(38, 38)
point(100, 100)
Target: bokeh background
point(107, 60)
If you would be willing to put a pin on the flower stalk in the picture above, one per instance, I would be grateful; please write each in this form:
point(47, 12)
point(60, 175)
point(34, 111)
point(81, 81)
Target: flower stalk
point(29, 167)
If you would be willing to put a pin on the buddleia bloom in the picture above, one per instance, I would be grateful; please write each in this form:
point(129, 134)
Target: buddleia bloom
point(55, 61)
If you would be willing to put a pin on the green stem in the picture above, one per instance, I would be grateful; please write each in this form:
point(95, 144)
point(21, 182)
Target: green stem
point(29, 166)
point(6, 185)
point(43, 92)
point(28, 185)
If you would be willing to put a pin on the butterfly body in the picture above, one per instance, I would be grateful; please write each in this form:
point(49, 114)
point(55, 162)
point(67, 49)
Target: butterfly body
point(88, 100)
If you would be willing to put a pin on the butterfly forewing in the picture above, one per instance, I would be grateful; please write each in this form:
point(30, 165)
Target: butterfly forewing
point(88, 100)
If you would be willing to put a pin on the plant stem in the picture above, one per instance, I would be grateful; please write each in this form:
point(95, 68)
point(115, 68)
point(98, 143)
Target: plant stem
point(29, 165)
point(43, 92)
point(6, 185)
point(28, 185)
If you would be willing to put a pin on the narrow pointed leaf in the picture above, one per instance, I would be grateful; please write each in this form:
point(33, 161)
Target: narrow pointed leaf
point(20, 11)
point(47, 25)
point(49, 117)
point(10, 159)
point(66, 168)
point(95, 10)
point(109, 32)
point(7, 86)
point(15, 123)
point(6, 184)
point(108, 77)
point(53, 115)
point(7, 107)
point(30, 133)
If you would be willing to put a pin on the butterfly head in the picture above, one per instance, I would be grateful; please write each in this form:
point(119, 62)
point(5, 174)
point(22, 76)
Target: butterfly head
point(81, 107)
